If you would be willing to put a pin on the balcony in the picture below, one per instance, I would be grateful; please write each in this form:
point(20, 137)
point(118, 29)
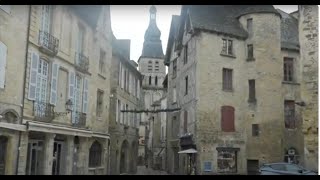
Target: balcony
point(43, 111)
point(79, 119)
point(81, 62)
point(48, 43)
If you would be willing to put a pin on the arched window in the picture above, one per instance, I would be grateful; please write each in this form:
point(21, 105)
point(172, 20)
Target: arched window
point(156, 80)
point(149, 80)
point(227, 119)
point(95, 155)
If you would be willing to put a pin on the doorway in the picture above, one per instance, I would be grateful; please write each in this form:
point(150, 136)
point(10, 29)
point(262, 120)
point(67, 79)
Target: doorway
point(3, 149)
point(76, 149)
point(57, 164)
point(253, 167)
point(35, 158)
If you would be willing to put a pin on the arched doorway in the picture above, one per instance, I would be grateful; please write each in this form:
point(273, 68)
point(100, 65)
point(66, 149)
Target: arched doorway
point(124, 157)
point(3, 148)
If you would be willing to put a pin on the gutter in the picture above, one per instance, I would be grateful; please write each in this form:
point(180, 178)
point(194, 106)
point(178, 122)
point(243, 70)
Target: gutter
point(24, 88)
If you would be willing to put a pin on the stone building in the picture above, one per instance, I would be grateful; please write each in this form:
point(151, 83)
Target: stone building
point(13, 46)
point(152, 68)
point(126, 95)
point(66, 89)
point(234, 72)
point(309, 39)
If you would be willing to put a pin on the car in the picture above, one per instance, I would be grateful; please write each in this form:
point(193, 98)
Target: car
point(284, 169)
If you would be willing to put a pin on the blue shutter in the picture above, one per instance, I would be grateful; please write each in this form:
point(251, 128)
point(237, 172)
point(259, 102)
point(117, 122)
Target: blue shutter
point(33, 76)
point(54, 84)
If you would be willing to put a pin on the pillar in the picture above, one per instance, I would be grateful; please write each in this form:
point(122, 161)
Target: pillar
point(48, 153)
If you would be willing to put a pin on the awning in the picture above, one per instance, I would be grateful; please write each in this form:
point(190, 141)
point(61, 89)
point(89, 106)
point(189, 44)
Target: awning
point(188, 151)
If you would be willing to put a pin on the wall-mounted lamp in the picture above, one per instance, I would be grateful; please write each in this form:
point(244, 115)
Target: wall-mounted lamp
point(69, 105)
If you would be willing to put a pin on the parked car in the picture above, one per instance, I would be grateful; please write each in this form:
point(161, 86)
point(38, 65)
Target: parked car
point(284, 169)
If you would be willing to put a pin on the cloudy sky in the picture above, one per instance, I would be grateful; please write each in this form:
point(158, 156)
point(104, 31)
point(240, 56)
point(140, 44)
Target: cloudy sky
point(131, 22)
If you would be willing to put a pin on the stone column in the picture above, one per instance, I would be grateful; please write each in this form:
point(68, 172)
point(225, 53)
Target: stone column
point(83, 161)
point(48, 153)
point(69, 155)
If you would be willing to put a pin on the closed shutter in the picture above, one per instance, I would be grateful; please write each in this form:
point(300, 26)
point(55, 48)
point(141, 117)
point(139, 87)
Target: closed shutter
point(33, 76)
point(46, 13)
point(3, 62)
point(71, 88)
point(227, 119)
point(85, 96)
point(54, 84)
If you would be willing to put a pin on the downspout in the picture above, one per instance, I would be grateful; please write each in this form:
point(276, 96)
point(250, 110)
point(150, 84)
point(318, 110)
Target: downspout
point(24, 87)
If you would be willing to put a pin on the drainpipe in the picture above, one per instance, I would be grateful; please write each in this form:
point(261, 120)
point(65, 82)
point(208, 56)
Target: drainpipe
point(24, 87)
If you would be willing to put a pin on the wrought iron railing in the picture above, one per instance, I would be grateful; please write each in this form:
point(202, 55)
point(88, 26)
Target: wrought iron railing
point(43, 111)
point(78, 119)
point(81, 62)
point(49, 42)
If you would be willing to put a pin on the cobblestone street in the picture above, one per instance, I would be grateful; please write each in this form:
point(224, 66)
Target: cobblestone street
point(142, 170)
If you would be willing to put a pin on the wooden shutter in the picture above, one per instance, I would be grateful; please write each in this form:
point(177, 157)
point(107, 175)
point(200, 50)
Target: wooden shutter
point(227, 119)
point(71, 88)
point(3, 62)
point(85, 96)
point(185, 124)
point(54, 84)
point(33, 76)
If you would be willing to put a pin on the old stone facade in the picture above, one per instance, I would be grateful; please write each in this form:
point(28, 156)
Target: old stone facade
point(65, 91)
point(309, 39)
point(236, 79)
point(153, 70)
point(126, 95)
point(13, 42)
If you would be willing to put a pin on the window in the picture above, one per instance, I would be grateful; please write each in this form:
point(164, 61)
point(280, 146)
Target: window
point(227, 119)
point(77, 98)
point(99, 103)
point(156, 80)
point(288, 69)
point(119, 75)
point(3, 62)
point(252, 91)
point(227, 79)
point(186, 82)
point(118, 117)
point(42, 81)
point(227, 161)
point(174, 99)
point(174, 127)
point(149, 80)
point(125, 79)
point(102, 62)
point(95, 155)
point(289, 114)
point(207, 166)
point(249, 26)
point(174, 68)
point(185, 59)
point(150, 66)
point(45, 18)
point(250, 52)
point(227, 47)
point(185, 122)
point(255, 130)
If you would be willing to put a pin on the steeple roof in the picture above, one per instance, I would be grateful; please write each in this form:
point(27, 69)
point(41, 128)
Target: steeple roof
point(152, 46)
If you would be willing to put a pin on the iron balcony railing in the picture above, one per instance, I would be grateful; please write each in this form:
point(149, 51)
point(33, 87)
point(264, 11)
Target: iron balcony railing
point(43, 111)
point(49, 42)
point(82, 62)
point(79, 119)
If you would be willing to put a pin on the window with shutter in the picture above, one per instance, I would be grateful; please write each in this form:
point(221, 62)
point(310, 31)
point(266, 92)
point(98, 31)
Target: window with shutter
point(227, 119)
point(33, 76)
point(54, 84)
point(185, 124)
point(99, 103)
point(3, 62)
point(85, 96)
point(46, 16)
point(42, 81)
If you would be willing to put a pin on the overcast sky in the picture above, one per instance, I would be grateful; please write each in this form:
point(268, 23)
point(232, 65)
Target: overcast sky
point(131, 22)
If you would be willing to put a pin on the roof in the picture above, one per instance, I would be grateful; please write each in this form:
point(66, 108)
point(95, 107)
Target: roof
point(224, 18)
point(152, 46)
point(171, 38)
point(89, 13)
point(289, 31)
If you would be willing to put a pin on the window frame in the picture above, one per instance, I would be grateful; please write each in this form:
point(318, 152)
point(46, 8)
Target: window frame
point(255, 130)
point(95, 155)
point(227, 79)
point(250, 52)
point(289, 119)
point(227, 47)
point(288, 69)
point(252, 91)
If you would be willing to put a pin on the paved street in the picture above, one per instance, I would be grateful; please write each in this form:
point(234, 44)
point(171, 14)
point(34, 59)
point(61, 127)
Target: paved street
point(142, 170)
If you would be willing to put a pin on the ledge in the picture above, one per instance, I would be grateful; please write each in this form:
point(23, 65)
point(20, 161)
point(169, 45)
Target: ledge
point(227, 55)
point(228, 90)
point(289, 82)
point(251, 59)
